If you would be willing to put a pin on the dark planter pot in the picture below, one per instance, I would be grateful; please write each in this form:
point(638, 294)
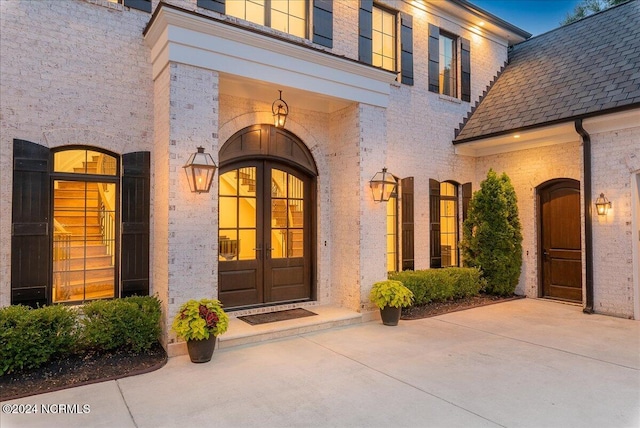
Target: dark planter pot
point(390, 315)
point(200, 351)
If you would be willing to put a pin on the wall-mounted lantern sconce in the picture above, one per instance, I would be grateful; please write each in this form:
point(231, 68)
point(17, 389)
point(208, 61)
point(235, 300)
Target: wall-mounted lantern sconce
point(602, 205)
point(383, 185)
point(280, 110)
point(200, 169)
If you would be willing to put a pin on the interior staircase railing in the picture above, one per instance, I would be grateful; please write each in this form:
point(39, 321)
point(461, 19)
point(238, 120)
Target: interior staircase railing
point(61, 260)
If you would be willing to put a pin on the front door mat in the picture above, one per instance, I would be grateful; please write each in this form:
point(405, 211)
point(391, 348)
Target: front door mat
point(289, 314)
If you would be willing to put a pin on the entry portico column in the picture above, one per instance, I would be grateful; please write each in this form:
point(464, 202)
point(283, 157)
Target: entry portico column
point(185, 224)
point(373, 220)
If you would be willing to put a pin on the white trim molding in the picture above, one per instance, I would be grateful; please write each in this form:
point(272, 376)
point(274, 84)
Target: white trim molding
point(177, 35)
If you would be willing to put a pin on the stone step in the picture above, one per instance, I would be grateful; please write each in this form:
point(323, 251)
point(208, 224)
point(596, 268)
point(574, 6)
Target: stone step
point(241, 333)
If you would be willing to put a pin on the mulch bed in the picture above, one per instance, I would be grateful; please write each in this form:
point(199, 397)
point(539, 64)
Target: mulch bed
point(439, 308)
point(79, 370)
point(90, 368)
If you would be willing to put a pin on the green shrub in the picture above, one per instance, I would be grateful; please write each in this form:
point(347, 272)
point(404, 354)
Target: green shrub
point(435, 285)
point(492, 234)
point(31, 337)
point(132, 324)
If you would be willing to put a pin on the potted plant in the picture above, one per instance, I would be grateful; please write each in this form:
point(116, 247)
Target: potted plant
point(199, 322)
point(390, 296)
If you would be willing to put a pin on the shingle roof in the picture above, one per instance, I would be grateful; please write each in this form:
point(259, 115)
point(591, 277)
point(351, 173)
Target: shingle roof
point(586, 68)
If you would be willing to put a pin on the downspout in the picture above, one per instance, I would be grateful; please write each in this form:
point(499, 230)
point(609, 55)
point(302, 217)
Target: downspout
point(588, 215)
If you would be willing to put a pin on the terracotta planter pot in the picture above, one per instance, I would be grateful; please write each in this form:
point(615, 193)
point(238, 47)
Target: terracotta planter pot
point(390, 315)
point(200, 351)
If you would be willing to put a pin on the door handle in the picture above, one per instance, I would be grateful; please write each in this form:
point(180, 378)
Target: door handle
point(269, 250)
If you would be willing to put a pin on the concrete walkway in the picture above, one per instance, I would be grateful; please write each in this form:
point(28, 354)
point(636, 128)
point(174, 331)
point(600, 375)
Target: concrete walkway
point(524, 363)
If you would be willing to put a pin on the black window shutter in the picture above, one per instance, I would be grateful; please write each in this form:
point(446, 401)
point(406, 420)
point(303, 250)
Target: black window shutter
point(214, 5)
point(465, 67)
point(406, 186)
point(466, 198)
point(434, 58)
point(144, 5)
point(365, 34)
point(323, 22)
point(434, 220)
point(406, 47)
point(30, 225)
point(135, 191)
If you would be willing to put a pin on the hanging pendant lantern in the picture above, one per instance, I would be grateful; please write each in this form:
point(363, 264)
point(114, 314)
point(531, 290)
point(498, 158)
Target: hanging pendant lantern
point(280, 110)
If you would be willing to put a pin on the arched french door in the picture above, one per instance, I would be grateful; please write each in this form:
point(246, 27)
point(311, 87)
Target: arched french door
point(266, 219)
point(560, 240)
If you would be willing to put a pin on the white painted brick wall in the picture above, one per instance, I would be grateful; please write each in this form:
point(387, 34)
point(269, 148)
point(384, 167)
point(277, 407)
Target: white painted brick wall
point(81, 74)
point(527, 170)
point(612, 234)
point(72, 72)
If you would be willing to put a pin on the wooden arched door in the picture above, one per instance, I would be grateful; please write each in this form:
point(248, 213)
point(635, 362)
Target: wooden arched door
point(560, 240)
point(266, 219)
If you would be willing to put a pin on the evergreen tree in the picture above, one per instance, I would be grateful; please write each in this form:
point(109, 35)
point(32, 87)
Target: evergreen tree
point(492, 234)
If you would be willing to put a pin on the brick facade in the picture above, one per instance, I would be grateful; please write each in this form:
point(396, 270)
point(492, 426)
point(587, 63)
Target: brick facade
point(83, 74)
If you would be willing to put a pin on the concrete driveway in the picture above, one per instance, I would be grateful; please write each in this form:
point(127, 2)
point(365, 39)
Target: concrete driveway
point(524, 363)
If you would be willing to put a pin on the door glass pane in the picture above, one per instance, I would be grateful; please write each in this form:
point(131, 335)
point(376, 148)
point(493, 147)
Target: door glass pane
point(247, 244)
point(278, 243)
point(228, 244)
point(237, 215)
point(247, 212)
point(287, 215)
point(278, 184)
point(84, 240)
point(228, 212)
point(229, 183)
point(295, 243)
point(296, 213)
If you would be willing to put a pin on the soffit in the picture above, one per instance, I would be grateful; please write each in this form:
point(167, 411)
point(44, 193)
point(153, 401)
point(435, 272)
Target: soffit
point(248, 60)
point(542, 136)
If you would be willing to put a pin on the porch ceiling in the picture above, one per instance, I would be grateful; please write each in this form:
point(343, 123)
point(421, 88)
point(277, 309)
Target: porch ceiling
point(253, 63)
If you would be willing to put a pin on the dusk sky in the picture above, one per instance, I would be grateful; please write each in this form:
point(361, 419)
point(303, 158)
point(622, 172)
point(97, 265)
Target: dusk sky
point(534, 16)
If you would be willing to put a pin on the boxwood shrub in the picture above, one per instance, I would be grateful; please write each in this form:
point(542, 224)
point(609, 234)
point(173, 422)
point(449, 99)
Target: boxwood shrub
point(131, 324)
point(31, 337)
point(433, 285)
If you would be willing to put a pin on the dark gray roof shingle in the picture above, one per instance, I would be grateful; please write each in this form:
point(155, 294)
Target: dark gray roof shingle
point(584, 68)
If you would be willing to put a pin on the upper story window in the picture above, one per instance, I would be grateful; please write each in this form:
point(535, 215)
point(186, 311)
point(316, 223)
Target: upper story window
point(144, 5)
point(288, 16)
point(384, 39)
point(449, 64)
point(448, 70)
point(378, 36)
